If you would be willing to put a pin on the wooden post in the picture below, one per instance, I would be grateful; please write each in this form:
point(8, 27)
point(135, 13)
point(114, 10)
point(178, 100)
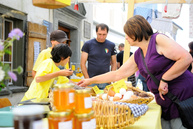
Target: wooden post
point(126, 55)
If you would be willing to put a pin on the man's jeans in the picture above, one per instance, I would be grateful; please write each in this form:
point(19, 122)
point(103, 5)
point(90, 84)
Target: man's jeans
point(100, 86)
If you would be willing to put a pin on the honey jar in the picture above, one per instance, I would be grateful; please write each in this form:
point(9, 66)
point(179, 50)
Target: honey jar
point(28, 117)
point(60, 120)
point(83, 101)
point(84, 121)
point(63, 96)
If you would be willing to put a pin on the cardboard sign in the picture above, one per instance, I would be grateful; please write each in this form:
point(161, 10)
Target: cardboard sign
point(118, 85)
point(108, 86)
point(73, 68)
point(96, 89)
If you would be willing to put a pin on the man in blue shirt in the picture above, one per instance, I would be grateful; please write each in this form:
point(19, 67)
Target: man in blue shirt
point(100, 54)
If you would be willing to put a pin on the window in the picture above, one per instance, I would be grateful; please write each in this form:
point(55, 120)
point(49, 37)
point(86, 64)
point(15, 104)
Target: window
point(7, 59)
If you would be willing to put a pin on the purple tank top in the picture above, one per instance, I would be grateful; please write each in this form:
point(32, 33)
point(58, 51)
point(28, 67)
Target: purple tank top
point(158, 64)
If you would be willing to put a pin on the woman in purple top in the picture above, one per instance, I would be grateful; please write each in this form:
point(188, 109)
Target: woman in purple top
point(165, 59)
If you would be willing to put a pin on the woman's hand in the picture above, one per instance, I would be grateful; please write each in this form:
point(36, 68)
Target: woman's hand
point(163, 89)
point(84, 82)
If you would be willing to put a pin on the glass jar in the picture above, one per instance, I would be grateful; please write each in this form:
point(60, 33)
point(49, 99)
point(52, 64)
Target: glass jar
point(63, 96)
point(83, 101)
point(84, 121)
point(28, 117)
point(59, 120)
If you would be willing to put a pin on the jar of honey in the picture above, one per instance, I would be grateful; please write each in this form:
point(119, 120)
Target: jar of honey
point(60, 120)
point(84, 121)
point(28, 117)
point(83, 101)
point(63, 96)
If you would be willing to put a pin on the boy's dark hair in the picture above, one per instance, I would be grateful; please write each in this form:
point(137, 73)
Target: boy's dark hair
point(60, 51)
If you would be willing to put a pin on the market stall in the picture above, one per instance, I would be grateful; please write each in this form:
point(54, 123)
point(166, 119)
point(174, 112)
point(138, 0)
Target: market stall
point(75, 107)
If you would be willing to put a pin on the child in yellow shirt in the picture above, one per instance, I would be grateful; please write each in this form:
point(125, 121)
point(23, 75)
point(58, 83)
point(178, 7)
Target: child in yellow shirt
point(56, 37)
point(48, 71)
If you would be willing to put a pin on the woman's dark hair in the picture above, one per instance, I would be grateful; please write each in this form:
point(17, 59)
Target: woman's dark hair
point(60, 51)
point(138, 28)
point(190, 45)
point(102, 26)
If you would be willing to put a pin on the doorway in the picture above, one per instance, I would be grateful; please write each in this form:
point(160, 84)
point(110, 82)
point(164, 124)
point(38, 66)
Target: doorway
point(67, 31)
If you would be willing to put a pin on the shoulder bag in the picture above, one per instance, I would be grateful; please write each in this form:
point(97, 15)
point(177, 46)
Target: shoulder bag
point(185, 107)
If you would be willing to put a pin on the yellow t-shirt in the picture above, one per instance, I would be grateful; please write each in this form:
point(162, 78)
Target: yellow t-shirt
point(40, 90)
point(44, 54)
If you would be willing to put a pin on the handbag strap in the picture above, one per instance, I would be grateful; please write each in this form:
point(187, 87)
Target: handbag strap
point(156, 81)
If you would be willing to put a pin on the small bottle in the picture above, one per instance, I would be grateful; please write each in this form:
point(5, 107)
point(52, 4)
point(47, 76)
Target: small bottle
point(63, 96)
point(83, 101)
point(139, 84)
point(28, 117)
point(85, 121)
point(60, 120)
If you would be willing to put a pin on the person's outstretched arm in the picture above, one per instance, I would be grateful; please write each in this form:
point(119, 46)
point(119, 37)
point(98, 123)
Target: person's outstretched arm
point(126, 70)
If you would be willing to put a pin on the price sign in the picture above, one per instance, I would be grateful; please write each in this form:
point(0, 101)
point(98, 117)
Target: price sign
point(108, 86)
point(96, 89)
point(118, 85)
point(73, 68)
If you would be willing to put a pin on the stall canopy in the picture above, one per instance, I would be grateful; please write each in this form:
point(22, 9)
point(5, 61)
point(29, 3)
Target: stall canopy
point(135, 1)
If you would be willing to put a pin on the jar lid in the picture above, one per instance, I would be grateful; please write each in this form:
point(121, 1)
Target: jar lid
point(86, 90)
point(59, 114)
point(26, 110)
point(65, 85)
point(85, 115)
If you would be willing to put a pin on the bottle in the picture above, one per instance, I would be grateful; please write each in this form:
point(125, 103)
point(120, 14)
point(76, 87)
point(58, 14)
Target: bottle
point(60, 120)
point(139, 84)
point(63, 96)
point(83, 101)
point(85, 121)
point(28, 117)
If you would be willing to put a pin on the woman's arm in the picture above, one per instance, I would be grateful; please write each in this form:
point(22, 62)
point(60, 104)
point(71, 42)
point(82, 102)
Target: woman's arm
point(126, 70)
point(192, 67)
point(172, 50)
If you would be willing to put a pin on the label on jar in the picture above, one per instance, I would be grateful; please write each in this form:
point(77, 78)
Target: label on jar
point(37, 124)
point(88, 102)
point(93, 123)
point(65, 124)
point(86, 125)
point(71, 97)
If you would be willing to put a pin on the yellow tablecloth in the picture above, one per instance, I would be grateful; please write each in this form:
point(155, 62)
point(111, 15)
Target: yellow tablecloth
point(151, 120)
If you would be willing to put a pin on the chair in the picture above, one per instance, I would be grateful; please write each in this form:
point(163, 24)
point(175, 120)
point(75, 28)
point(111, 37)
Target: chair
point(4, 102)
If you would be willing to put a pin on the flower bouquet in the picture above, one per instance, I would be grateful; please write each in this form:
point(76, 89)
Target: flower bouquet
point(6, 72)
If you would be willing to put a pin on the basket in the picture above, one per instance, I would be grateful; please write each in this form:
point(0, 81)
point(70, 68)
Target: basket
point(112, 116)
point(138, 100)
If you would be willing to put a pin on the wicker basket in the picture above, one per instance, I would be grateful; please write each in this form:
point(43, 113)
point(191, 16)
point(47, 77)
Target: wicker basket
point(138, 100)
point(112, 116)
